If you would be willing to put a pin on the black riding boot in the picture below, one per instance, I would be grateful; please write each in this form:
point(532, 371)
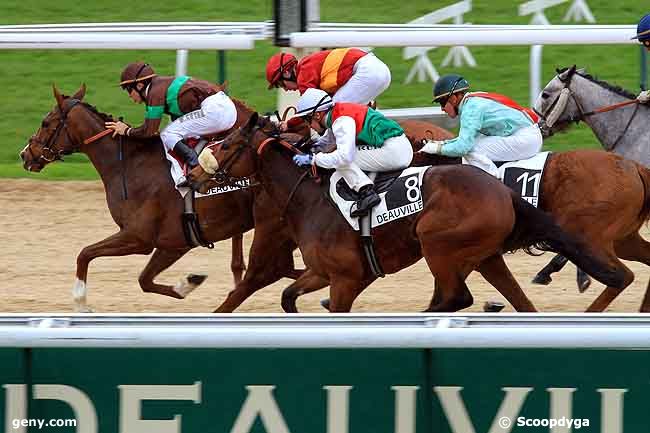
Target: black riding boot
point(186, 153)
point(368, 198)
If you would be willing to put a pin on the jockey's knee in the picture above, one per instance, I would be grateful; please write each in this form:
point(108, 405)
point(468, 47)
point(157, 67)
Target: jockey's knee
point(170, 139)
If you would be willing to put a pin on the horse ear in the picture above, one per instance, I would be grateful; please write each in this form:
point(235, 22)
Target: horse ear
point(80, 93)
point(58, 96)
point(252, 122)
point(572, 70)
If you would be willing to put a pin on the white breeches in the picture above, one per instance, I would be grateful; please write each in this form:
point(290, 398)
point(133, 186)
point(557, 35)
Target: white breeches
point(524, 143)
point(217, 114)
point(396, 153)
point(370, 78)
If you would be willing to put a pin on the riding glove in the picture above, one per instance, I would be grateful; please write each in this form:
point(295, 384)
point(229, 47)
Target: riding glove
point(644, 97)
point(303, 160)
point(432, 146)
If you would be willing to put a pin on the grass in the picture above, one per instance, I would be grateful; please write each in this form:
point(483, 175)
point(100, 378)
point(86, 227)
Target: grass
point(26, 76)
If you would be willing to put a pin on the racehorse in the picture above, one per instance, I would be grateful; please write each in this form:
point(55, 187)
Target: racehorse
point(617, 120)
point(145, 205)
point(468, 219)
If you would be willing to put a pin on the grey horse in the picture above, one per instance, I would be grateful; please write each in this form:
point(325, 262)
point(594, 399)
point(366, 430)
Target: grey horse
point(613, 114)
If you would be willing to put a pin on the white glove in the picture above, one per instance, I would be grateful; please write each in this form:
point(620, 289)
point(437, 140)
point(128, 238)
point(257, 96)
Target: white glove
point(644, 97)
point(432, 146)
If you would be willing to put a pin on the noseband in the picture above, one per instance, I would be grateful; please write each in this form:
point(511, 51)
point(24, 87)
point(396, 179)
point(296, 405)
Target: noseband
point(49, 153)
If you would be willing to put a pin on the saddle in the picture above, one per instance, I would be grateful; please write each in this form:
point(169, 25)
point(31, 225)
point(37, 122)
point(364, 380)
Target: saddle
point(383, 181)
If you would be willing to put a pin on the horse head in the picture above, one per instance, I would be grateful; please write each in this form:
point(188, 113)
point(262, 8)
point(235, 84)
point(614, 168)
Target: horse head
point(56, 136)
point(555, 106)
point(234, 157)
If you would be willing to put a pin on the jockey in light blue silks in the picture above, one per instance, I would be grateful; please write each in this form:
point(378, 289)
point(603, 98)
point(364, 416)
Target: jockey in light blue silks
point(492, 127)
point(643, 35)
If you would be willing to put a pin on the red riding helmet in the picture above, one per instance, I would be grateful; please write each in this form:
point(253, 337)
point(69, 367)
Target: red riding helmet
point(134, 73)
point(277, 65)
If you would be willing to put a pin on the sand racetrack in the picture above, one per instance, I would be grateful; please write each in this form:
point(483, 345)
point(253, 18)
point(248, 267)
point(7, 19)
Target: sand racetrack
point(44, 225)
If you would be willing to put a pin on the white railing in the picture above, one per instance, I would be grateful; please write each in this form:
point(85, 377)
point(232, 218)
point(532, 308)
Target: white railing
point(607, 331)
point(453, 35)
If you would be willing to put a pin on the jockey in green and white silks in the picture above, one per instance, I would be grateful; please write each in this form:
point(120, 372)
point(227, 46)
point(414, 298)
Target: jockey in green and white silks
point(643, 35)
point(492, 126)
point(364, 138)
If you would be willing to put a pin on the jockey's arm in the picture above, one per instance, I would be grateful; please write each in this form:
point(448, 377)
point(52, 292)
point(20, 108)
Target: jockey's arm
point(470, 125)
point(149, 128)
point(344, 132)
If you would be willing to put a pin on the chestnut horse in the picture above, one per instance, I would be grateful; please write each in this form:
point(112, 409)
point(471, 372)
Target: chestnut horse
point(469, 218)
point(145, 205)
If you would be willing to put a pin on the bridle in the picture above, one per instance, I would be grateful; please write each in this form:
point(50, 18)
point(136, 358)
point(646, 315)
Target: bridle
point(551, 114)
point(49, 153)
point(222, 174)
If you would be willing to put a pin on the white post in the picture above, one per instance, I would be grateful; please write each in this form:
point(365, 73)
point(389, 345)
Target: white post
point(181, 62)
point(535, 72)
point(423, 68)
point(578, 11)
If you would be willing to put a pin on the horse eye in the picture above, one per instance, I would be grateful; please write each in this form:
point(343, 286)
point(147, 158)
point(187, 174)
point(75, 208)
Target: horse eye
point(545, 95)
point(45, 124)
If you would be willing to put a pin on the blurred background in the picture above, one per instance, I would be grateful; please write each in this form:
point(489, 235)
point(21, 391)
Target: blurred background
point(26, 76)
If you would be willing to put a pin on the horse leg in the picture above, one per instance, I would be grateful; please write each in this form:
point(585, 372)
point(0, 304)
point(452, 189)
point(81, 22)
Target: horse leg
point(343, 292)
point(237, 264)
point(119, 244)
point(543, 277)
point(268, 262)
point(635, 248)
point(583, 279)
point(610, 293)
point(161, 260)
point(306, 283)
point(496, 272)
point(450, 291)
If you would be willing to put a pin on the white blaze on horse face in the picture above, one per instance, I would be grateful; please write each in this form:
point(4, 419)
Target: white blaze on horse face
point(79, 291)
point(208, 162)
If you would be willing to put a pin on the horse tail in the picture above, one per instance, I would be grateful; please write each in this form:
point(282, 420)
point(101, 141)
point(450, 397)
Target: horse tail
point(644, 174)
point(537, 229)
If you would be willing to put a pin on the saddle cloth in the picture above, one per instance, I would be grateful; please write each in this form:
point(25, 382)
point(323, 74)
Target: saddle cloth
point(525, 176)
point(400, 193)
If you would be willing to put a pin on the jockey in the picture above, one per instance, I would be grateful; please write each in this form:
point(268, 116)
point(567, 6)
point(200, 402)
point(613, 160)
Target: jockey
point(492, 127)
point(196, 108)
point(346, 74)
point(643, 35)
point(365, 140)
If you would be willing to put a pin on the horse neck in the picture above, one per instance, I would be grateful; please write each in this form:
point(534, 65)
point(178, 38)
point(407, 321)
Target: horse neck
point(609, 127)
point(243, 113)
point(110, 161)
point(280, 177)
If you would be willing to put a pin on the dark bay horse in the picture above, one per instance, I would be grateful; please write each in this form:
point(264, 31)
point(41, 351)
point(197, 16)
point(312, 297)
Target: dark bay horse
point(145, 205)
point(469, 218)
point(617, 120)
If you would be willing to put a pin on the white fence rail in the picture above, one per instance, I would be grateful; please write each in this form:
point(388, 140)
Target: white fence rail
point(329, 331)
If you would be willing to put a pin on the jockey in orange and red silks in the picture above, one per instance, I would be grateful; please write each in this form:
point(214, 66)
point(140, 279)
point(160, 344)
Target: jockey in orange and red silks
point(346, 74)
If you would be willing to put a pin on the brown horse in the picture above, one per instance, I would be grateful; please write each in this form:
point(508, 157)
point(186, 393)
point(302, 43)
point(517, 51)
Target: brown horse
point(145, 205)
point(468, 219)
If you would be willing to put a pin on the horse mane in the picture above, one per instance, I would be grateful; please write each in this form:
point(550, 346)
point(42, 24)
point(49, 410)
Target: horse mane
point(604, 84)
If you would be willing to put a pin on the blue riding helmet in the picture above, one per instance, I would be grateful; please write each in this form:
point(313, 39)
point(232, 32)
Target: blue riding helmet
point(643, 29)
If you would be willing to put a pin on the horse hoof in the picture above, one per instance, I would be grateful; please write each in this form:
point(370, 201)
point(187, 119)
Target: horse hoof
point(325, 303)
point(493, 307)
point(85, 309)
point(583, 285)
point(196, 279)
point(541, 279)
